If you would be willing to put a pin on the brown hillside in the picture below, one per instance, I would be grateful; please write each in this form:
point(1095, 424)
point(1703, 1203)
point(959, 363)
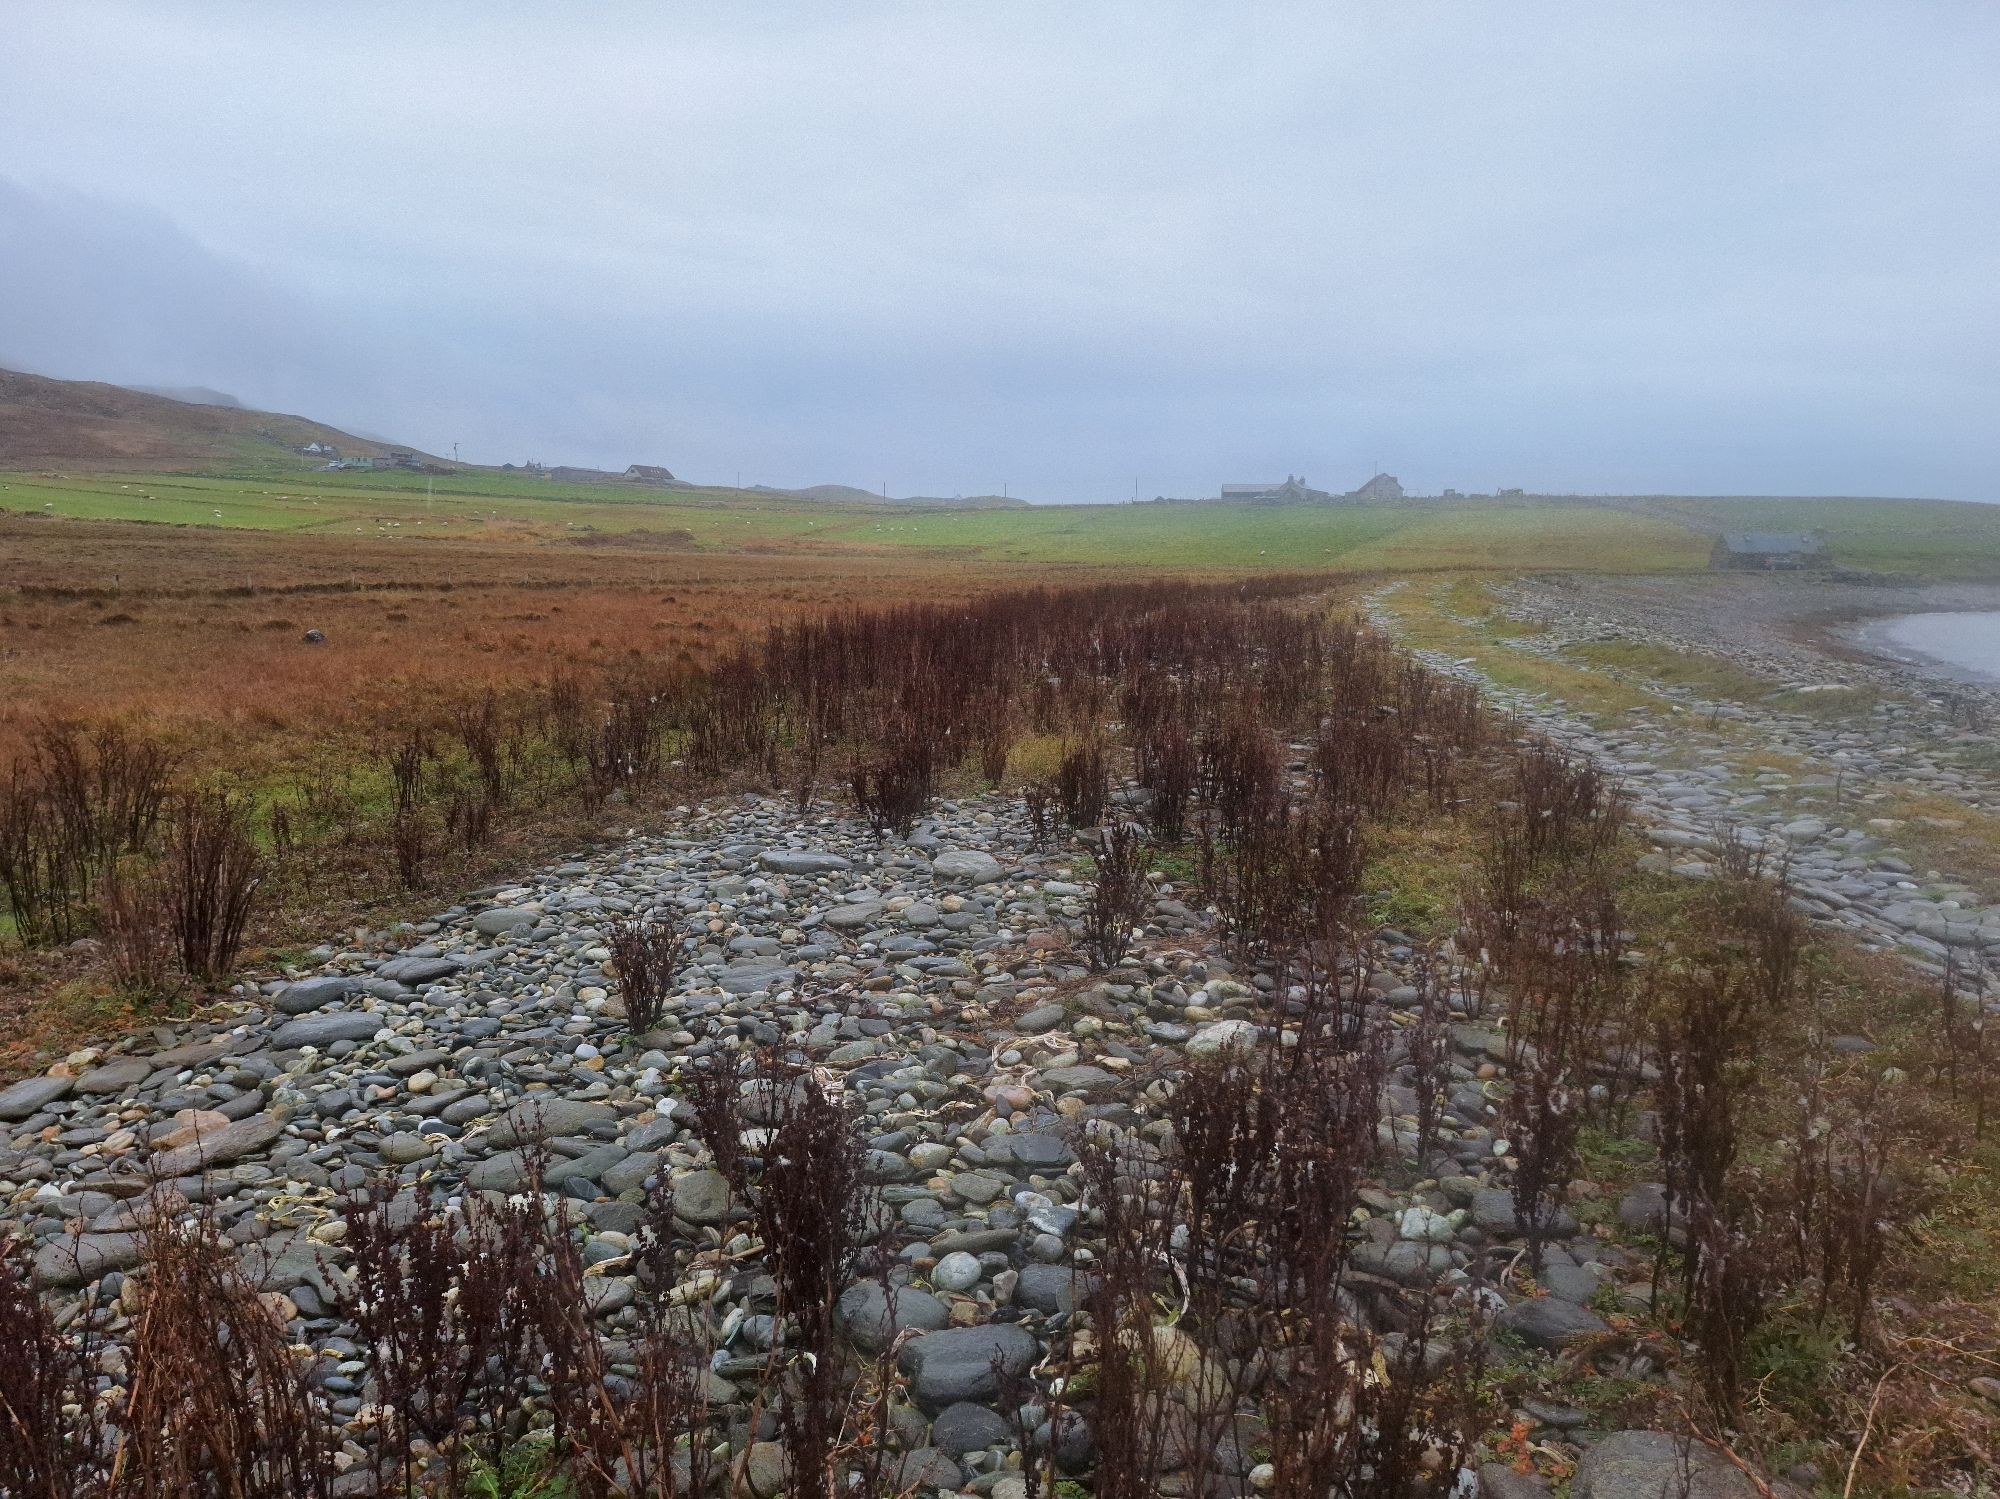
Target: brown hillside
point(82, 424)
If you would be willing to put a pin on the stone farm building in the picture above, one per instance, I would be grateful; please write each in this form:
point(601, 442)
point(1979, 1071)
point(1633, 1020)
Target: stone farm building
point(647, 473)
point(1768, 551)
point(1381, 487)
point(1295, 491)
point(1292, 492)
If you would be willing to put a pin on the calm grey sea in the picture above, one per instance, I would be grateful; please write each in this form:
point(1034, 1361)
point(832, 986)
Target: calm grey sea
point(1966, 641)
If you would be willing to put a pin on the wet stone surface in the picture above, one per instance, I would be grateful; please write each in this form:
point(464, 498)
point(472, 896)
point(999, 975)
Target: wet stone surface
point(975, 1056)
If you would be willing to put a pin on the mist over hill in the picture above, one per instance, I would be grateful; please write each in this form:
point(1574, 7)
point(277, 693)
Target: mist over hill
point(47, 423)
point(847, 494)
point(51, 423)
point(193, 395)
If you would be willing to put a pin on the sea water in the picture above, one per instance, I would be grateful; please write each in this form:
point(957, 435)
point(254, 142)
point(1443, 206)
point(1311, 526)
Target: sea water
point(1966, 641)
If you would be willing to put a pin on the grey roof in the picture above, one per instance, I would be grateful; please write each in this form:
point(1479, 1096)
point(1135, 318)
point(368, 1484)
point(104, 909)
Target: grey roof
point(1757, 543)
point(1382, 484)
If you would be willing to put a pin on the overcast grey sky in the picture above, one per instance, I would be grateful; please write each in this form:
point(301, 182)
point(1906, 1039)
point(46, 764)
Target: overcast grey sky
point(1695, 247)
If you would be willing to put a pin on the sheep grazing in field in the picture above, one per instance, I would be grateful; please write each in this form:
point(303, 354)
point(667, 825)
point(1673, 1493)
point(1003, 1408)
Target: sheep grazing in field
point(314, 637)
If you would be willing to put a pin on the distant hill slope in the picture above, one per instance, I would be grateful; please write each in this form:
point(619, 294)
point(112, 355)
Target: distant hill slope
point(193, 395)
point(48, 423)
point(94, 427)
point(847, 494)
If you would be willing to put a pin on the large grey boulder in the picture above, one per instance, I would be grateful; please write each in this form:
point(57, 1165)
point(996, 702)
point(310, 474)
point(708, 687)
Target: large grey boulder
point(506, 1171)
point(1643, 1209)
point(1549, 1322)
point(419, 970)
point(1033, 1151)
point(31, 1095)
point(802, 861)
point(1052, 1288)
point(926, 1470)
point(756, 975)
point(1498, 1481)
point(1092, 1082)
point(966, 1427)
point(854, 914)
point(873, 1317)
point(66, 1263)
point(587, 1167)
point(1657, 1465)
point(1578, 1283)
point(287, 1261)
point(1494, 1211)
point(230, 1143)
point(326, 1028)
point(548, 1116)
point(630, 1174)
point(767, 1469)
point(1408, 1262)
point(407, 1147)
point(307, 995)
point(967, 1363)
point(1041, 1019)
point(115, 1077)
point(501, 920)
point(1223, 1038)
point(198, 1053)
point(702, 1197)
point(967, 864)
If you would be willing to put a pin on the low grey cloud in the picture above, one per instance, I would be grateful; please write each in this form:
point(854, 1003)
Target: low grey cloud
point(1707, 247)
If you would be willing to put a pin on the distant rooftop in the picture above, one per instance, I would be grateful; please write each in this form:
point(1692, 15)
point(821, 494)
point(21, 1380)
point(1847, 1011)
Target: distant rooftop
point(1771, 543)
point(1293, 488)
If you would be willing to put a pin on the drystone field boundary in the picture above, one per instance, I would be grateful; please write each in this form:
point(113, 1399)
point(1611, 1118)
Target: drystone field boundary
point(1790, 632)
point(1694, 786)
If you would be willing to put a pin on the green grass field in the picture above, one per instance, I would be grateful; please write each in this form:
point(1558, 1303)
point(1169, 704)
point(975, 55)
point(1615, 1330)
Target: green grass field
point(378, 503)
point(1192, 536)
point(1936, 538)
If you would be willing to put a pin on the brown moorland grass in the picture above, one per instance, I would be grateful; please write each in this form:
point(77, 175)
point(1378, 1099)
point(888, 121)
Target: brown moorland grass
point(442, 790)
point(192, 638)
point(197, 634)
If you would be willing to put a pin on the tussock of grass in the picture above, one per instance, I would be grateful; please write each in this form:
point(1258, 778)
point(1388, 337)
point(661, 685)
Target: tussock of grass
point(1417, 871)
point(1423, 620)
point(1716, 679)
point(1941, 832)
point(1036, 757)
point(1472, 598)
point(1833, 705)
point(1707, 675)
